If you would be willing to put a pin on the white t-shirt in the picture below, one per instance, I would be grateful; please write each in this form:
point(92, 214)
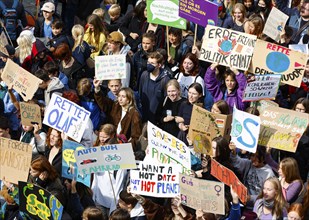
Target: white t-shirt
point(186, 81)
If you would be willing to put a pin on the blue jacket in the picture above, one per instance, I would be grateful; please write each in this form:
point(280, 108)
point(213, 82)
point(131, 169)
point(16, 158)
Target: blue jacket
point(152, 94)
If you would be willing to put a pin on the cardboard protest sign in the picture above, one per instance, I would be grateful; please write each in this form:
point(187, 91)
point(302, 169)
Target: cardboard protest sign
point(110, 67)
point(105, 158)
point(263, 87)
point(227, 47)
point(200, 12)
point(30, 114)
point(245, 130)
point(202, 194)
point(3, 39)
point(15, 160)
point(69, 166)
point(275, 24)
point(38, 203)
point(282, 128)
point(165, 13)
point(262, 104)
point(165, 148)
point(66, 116)
point(204, 126)
point(155, 180)
point(303, 48)
point(278, 59)
point(25, 83)
point(228, 177)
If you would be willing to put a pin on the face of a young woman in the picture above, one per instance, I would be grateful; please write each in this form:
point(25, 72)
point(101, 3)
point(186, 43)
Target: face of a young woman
point(293, 216)
point(187, 65)
point(103, 137)
point(54, 138)
point(34, 173)
point(215, 109)
point(300, 108)
point(122, 99)
point(173, 93)
point(193, 95)
point(249, 27)
point(238, 15)
point(27, 128)
point(173, 39)
point(248, 3)
point(269, 191)
point(230, 83)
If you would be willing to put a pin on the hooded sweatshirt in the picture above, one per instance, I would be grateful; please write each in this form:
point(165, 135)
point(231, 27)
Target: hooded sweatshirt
point(55, 86)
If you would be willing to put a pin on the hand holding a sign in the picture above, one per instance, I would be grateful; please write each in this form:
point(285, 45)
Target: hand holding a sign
point(234, 196)
point(96, 84)
point(177, 207)
point(214, 66)
point(139, 198)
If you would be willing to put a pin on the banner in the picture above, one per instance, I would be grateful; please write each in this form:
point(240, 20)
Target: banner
point(263, 87)
point(105, 158)
point(25, 83)
point(204, 126)
point(155, 180)
point(30, 114)
point(227, 47)
point(165, 148)
point(228, 177)
point(282, 128)
point(38, 203)
point(165, 13)
point(275, 24)
point(15, 160)
point(64, 115)
point(278, 59)
point(200, 12)
point(69, 166)
point(202, 194)
point(245, 130)
point(110, 67)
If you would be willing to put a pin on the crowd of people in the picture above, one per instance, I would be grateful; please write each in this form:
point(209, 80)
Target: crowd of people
point(164, 79)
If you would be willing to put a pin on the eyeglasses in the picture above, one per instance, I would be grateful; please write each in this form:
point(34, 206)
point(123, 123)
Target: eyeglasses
point(300, 109)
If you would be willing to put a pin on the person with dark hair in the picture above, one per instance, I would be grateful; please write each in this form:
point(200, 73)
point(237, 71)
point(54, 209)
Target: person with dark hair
point(151, 87)
point(58, 36)
point(50, 85)
point(220, 107)
point(120, 214)
point(176, 52)
point(4, 127)
point(189, 73)
point(254, 171)
point(140, 58)
point(53, 71)
point(231, 90)
point(132, 24)
point(128, 202)
point(263, 8)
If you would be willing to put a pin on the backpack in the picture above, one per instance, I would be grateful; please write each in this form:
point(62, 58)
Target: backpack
point(9, 16)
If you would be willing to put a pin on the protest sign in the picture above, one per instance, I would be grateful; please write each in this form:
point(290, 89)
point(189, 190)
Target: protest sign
point(200, 12)
point(38, 203)
point(15, 160)
point(25, 83)
point(105, 158)
point(3, 50)
point(278, 59)
point(202, 194)
point(3, 39)
point(69, 166)
point(228, 177)
point(303, 48)
point(227, 47)
point(30, 114)
point(262, 104)
point(205, 124)
point(275, 24)
point(282, 128)
point(245, 130)
point(155, 180)
point(110, 67)
point(165, 13)
point(166, 148)
point(64, 115)
point(263, 87)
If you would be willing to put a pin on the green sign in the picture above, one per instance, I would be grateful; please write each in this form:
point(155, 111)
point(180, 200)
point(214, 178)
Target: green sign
point(165, 12)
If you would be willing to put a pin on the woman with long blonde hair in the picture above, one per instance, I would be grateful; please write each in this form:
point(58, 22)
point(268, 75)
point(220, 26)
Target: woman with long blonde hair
point(81, 50)
point(271, 204)
point(24, 47)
